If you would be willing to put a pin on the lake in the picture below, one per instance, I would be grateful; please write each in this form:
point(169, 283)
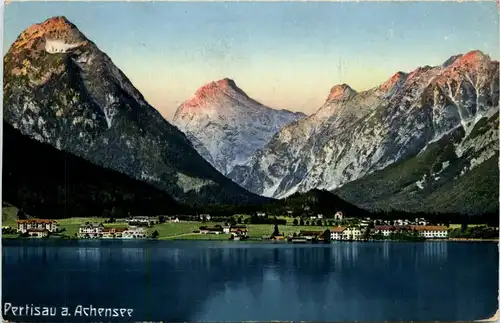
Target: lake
point(231, 281)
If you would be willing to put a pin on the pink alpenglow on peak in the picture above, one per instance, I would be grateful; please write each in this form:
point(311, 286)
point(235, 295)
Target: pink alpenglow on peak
point(396, 80)
point(213, 90)
point(58, 29)
point(472, 59)
point(341, 92)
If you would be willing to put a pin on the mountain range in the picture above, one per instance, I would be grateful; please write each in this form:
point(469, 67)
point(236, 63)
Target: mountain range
point(226, 126)
point(451, 110)
point(426, 140)
point(60, 89)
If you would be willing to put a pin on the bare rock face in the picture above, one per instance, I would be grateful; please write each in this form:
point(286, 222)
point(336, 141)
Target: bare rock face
point(59, 88)
point(227, 125)
point(358, 133)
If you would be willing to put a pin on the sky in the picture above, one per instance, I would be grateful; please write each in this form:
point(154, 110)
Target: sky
point(287, 55)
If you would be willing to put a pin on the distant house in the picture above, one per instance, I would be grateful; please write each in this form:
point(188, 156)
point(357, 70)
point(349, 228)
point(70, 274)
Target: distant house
point(204, 217)
point(310, 235)
point(173, 220)
point(402, 222)
point(141, 221)
point(385, 230)
point(320, 216)
point(239, 230)
point(226, 229)
point(133, 232)
point(37, 224)
point(364, 223)
point(431, 231)
point(421, 221)
point(289, 212)
point(39, 233)
point(112, 233)
point(211, 230)
point(90, 230)
point(314, 235)
point(352, 233)
point(312, 217)
point(339, 216)
point(261, 214)
point(337, 233)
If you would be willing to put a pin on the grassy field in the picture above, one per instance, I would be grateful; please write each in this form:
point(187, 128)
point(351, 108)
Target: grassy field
point(172, 231)
point(9, 216)
point(458, 226)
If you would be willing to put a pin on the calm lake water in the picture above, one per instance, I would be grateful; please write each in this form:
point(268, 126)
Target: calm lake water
point(231, 281)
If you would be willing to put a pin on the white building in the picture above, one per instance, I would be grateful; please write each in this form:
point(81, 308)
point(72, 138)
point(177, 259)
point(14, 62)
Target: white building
point(432, 231)
point(226, 229)
point(205, 217)
point(37, 224)
point(261, 214)
point(385, 230)
point(352, 233)
point(320, 216)
point(337, 233)
point(134, 232)
point(421, 221)
point(339, 215)
point(39, 233)
point(141, 220)
point(90, 230)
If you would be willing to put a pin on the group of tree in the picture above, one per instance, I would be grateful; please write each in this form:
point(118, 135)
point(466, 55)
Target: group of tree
point(474, 232)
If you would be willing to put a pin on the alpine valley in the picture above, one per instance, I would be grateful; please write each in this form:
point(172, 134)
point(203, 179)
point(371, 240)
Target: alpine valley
point(60, 89)
point(422, 141)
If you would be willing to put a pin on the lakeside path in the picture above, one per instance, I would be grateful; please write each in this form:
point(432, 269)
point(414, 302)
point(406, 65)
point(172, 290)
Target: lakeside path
point(178, 235)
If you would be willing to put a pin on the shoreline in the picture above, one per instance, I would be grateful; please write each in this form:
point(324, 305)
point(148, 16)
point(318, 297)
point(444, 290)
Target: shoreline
point(256, 240)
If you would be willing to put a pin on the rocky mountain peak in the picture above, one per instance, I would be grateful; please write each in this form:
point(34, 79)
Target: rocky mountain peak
point(341, 92)
point(55, 34)
point(395, 81)
point(471, 60)
point(212, 90)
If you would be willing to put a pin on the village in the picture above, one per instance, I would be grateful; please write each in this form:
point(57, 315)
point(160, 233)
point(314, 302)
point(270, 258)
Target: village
point(313, 229)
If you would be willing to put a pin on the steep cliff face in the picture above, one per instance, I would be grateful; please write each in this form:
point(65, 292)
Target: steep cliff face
point(59, 88)
point(228, 125)
point(355, 134)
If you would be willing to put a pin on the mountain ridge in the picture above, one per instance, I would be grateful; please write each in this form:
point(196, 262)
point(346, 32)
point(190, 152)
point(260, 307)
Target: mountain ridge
point(373, 129)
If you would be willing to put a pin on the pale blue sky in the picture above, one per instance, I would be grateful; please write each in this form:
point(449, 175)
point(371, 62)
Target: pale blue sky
point(285, 54)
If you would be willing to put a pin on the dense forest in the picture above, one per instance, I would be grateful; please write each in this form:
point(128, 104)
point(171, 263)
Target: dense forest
point(49, 183)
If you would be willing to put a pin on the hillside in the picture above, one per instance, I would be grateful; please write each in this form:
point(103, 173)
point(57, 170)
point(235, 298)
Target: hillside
point(458, 173)
point(49, 183)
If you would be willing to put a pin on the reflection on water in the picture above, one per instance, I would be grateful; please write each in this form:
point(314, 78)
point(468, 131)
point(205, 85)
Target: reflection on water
point(203, 281)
